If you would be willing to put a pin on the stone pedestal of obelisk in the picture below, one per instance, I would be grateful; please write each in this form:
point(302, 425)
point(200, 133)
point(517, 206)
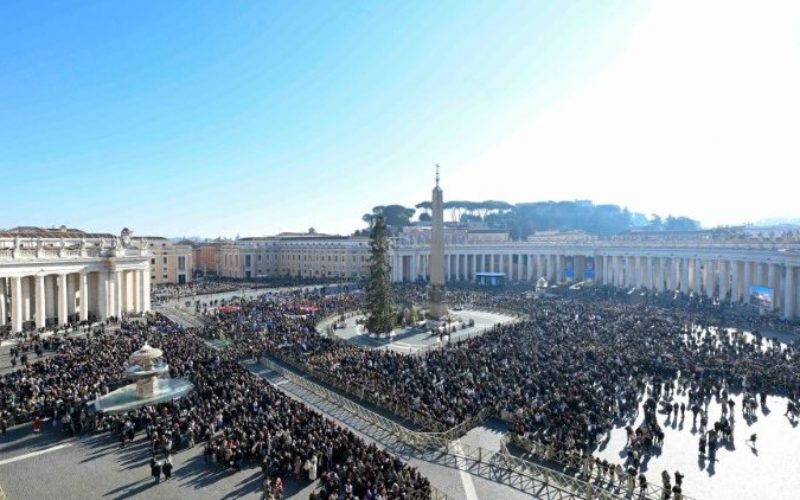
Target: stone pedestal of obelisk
point(437, 308)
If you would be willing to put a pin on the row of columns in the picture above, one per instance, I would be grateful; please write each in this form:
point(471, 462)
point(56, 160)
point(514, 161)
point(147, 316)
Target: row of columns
point(726, 279)
point(63, 296)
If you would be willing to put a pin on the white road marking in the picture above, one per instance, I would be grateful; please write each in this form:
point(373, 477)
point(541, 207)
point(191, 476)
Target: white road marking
point(466, 478)
point(34, 454)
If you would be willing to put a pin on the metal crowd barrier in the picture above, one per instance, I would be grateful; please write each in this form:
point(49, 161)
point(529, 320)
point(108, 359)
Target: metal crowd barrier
point(571, 460)
point(523, 475)
point(358, 392)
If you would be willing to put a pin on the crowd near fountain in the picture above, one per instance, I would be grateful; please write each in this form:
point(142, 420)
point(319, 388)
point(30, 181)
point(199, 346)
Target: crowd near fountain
point(564, 378)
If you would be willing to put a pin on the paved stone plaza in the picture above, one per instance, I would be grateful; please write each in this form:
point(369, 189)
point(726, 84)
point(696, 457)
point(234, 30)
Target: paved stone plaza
point(413, 340)
point(766, 470)
point(48, 466)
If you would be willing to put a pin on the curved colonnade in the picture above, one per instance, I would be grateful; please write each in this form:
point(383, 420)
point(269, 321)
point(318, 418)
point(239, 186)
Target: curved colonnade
point(722, 270)
point(48, 283)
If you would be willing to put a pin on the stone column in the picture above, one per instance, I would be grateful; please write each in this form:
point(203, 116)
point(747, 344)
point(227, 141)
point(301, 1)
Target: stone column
point(789, 293)
point(736, 286)
point(529, 262)
point(709, 278)
point(641, 268)
point(684, 263)
point(115, 293)
point(27, 307)
point(16, 304)
point(103, 296)
point(146, 291)
point(559, 268)
point(473, 265)
point(137, 291)
point(62, 299)
point(83, 285)
point(773, 281)
point(41, 317)
point(671, 272)
point(113, 304)
point(747, 280)
point(539, 266)
point(762, 274)
point(724, 275)
point(73, 285)
point(3, 298)
point(695, 282)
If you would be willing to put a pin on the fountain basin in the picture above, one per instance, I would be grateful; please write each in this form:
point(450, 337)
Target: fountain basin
point(126, 398)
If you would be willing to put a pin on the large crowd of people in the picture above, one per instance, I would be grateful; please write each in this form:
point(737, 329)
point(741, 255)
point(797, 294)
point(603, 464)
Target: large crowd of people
point(242, 420)
point(564, 376)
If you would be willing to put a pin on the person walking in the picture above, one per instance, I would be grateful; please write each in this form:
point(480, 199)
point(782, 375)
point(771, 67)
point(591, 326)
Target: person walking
point(37, 424)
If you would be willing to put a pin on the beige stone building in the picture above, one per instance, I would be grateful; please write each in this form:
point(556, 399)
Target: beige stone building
point(307, 255)
point(207, 258)
point(171, 263)
point(51, 277)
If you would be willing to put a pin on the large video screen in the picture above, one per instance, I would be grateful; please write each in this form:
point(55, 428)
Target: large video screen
point(761, 296)
point(569, 268)
point(588, 272)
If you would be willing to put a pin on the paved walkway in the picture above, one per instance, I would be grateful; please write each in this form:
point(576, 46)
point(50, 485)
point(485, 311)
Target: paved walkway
point(412, 340)
point(459, 481)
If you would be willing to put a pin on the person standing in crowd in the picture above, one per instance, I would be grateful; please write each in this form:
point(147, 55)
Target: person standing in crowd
point(155, 470)
point(167, 467)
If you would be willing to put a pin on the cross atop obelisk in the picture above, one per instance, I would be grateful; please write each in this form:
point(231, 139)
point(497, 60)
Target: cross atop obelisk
point(437, 175)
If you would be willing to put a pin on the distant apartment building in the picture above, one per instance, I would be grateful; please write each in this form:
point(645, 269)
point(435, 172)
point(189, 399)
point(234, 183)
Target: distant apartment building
point(170, 263)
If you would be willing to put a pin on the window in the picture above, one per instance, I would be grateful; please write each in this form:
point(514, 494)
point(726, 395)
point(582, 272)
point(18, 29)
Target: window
point(153, 260)
point(247, 261)
point(181, 263)
point(165, 260)
point(153, 277)
point(165, 276)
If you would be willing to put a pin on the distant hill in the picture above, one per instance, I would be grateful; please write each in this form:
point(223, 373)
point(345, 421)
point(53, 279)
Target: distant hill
point(778, 221)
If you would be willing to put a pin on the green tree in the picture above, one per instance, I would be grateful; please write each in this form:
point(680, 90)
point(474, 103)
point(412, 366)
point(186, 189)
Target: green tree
point(380, 304)
point(395, 216)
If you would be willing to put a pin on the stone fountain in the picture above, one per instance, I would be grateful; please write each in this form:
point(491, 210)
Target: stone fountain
point(147, 370)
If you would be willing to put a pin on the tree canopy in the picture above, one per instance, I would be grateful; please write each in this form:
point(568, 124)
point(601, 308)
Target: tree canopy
point(396, 216)
point(524, 219)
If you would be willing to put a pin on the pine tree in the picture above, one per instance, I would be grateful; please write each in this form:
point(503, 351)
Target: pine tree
point(380, 304)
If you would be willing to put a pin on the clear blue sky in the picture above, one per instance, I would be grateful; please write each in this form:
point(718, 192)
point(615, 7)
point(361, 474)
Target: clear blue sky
point(218, 118)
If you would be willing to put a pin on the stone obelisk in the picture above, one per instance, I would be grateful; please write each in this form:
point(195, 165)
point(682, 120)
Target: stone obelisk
point(437, 309)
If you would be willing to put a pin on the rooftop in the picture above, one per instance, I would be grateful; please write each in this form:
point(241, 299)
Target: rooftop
point(51, 232)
